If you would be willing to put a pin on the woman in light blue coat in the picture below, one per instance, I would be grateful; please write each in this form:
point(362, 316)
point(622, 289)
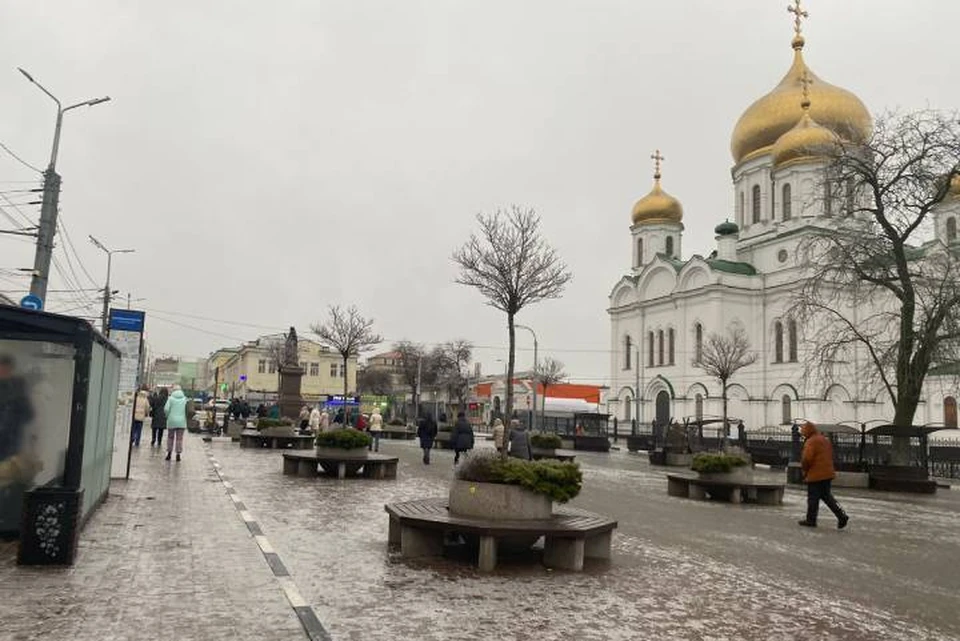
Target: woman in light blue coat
point(176, 411)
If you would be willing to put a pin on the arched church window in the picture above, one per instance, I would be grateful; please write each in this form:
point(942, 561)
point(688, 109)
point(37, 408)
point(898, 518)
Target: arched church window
point(951, 230)
point(756, 203)
point(649, 349)
point(671, 345)
point(628, 409)
point(670, 246)
point(848, 194)
point(786, 205)
point(787, 412)
point(660, 347)
point(778, 342)
point(792, 339)
point(698, 343)
point(698, 407)
point(627, 351)
point(950, 411)
point(639, 251)
point(741, 212)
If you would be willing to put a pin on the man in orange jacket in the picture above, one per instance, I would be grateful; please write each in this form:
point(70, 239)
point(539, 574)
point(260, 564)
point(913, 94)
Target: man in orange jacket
point(818, 473)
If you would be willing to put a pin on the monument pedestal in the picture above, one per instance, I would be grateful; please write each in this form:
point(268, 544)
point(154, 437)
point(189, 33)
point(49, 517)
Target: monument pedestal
point(291, 402)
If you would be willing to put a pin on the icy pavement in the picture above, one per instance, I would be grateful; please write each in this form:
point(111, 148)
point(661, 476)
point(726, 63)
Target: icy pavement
point(681, 569)
point(168, 556)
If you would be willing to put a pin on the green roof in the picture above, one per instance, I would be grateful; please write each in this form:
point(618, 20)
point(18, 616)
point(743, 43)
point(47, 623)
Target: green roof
point(732, 267)
point(726, 229)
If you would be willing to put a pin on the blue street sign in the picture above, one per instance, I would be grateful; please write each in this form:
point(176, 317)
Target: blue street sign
point(30, 301)
point(126, 320)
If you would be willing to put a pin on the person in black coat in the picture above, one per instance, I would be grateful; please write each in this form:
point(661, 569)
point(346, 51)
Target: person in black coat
point(462, 437)
point(159, 422)
point(427, 432)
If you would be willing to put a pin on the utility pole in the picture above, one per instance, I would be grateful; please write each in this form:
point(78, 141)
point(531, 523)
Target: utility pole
point(416, 397)
point(51, 197)
point(106, 289)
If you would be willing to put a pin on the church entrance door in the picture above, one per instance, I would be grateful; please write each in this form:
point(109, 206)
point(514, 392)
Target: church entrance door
point(663, 408)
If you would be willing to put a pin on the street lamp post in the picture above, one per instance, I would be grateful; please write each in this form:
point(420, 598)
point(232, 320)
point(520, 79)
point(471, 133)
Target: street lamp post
point(106, 288)
point(51, 196)
point(533, 417)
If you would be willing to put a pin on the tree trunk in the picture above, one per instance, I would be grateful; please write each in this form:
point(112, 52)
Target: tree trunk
point(907, 401)
point(723, 443)
point(511, 360)
point(345, 379)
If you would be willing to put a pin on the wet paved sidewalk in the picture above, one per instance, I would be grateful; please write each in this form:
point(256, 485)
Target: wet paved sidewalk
point(165, 557)
point(171, 555)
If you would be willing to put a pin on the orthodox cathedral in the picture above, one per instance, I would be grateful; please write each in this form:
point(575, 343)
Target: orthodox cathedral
point(663, 309)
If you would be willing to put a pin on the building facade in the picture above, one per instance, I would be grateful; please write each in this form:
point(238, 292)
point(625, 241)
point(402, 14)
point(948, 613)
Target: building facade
point(249, 371)
point(665, 307)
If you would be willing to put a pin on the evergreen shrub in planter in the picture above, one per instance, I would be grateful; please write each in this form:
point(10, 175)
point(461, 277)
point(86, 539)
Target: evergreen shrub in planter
point(545, 441)
point(707, 463)
point(263, 423)
point(556, 480)
point(343, 439)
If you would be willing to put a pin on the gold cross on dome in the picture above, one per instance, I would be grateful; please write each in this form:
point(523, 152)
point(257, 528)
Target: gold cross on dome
point(799, 14)
point(657, 158)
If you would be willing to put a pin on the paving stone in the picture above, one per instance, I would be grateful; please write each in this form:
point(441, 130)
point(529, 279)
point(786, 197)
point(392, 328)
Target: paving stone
point(165, 557)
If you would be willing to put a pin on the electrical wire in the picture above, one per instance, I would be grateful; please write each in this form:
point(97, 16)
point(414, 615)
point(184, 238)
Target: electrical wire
point(66, 236)
point(18, 158)
point(18, 210)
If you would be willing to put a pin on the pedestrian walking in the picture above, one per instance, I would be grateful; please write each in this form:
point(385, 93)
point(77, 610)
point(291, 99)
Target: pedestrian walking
point(519, 441)
point(376, 429)
point(176, 411)
point(361, 422)
point(427, 432)
point(314, 422)
point(499, 432)
point(462, 437)
point(141, 410)
point(818, 473)
point(324, 421)
point(304, 417)
point(157, 403)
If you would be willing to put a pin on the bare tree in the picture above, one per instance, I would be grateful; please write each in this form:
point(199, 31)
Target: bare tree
point(417, 369)
point(548, 372)
point(349, 333)
point(511, 264)
point(722, 356)
point(881, 291)
point(276, 348)
point(374, 380)
point(452, 360)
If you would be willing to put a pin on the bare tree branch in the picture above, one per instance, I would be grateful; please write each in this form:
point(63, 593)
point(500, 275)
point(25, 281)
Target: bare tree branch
point(722, 356)
point(348, 333)
point(512, 266)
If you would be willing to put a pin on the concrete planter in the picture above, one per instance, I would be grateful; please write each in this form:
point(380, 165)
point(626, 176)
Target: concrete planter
point(676, 459)
point(543, 452)
point(740, 474)
point(338, 452)
point(497, 501)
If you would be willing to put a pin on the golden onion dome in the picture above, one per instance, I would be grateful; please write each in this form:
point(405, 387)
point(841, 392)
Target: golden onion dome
point(808, 140)
point(657, 207)
point(773, 115)
point(955, 187)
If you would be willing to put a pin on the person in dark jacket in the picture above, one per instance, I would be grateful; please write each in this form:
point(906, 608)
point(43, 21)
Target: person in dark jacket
point(15, 409)
point(159, 424)
point(427, 432)
point(519, 441)
point(818, 473)
point(462, 437)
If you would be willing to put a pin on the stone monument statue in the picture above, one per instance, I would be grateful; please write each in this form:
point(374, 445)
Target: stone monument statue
point(291, 356)
point(291, 374)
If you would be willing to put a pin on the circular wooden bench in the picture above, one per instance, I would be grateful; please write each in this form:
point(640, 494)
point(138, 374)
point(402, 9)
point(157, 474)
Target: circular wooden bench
point(420, 528)
point(253, 438)
point(371, 465)
point(732, 490)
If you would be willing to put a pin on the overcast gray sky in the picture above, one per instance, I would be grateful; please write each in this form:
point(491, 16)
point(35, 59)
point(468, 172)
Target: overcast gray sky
point(269, 159)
